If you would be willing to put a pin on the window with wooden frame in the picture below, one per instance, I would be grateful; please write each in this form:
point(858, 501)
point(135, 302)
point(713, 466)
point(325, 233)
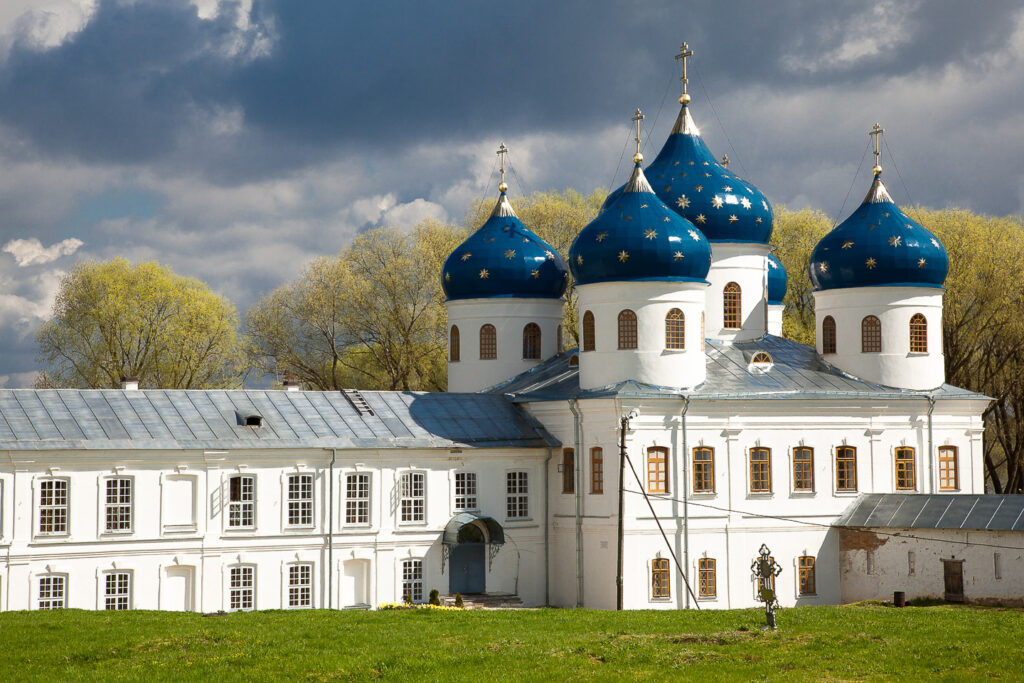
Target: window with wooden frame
point(412, 580)
point(760, 470)
point(488, 342)
point(828, 335)
point(357, 498)
point(453, 343)
point(627, 329)
point(707, 579)
point(803, 469)
point(703, 470)
point(242, 588)
point(675, 329)
point(657, 469)
point(949, 475)
point(531, 341)
point(762, 358)
point(906, 477)
point(805, 570)
point(660, 579)
point(300, 585)
point(412, 503)
point(465, 491)
point(117, 590)
point(568, 470)
point(53, 591)
point(117, 505)
point(300, 500)
point(588, 331)
point(846, 468)
point(918, 334)
point(242, 501)
point(732, 307)
point(517, 499)
point(53, 506)
point(870, 335)
point(596, 470)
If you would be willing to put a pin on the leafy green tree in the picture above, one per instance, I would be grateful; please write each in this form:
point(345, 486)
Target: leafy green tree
point(794, 235)
point(113, 319)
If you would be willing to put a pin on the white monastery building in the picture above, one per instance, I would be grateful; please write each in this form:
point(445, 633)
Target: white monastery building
point(852, 461)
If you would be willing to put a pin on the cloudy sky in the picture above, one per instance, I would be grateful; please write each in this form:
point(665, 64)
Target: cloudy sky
point(236, 139)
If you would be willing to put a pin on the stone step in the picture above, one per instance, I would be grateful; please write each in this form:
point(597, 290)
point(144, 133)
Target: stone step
point(485, 601)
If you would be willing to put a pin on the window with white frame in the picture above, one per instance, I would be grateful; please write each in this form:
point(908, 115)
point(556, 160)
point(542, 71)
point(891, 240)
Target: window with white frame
point(412, 580)
point(53, 506)
point(117, 505)
point(517, 499)
point(357, 498)
point(300, 585)
point(300, 500)
point(53, 591)
point(117, 590)
point(465, 491)
point(413, 489)
point(242, 501)
point(242, 588)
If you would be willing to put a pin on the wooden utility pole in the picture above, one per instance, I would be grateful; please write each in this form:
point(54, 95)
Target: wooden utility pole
point(623, 426)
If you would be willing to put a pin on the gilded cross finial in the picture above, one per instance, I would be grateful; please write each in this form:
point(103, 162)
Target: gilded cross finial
point(684, 52)
point(725, 160)
point(502, 151)
point(637, 118)
point(876, 132)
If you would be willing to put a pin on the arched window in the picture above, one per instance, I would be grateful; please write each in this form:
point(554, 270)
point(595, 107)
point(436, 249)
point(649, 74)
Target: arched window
point(906, 477)
point(871, 335)
point(918, 334)
point(488, 342)
point(657, 469)
point(627, 329)
point(761, 358)
point(588, 331)
point(453, 343)
point(531, 341)
point(675, 328)
point(731, 306)
point(660, 581)
point(828, 335)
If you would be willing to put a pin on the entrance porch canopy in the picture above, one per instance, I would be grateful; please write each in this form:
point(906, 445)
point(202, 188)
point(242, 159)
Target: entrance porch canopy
point(453, 530)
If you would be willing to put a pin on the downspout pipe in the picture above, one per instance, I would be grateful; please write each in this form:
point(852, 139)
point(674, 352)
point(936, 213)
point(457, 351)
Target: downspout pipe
point(547, 526)
point(578, 479)
point(330, 530)
point(686, 497)
point(932, 465)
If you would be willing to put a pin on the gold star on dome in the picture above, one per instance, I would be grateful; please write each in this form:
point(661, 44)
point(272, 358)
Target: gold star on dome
point(717, 202)
point(694, 235)
point(490, 239)
point(675, 163)
point(507, 228)
point(526, 240)
point(643, 206)
point(579, 259)
point(886, 214)
point(549, 254)
point(465, 257)
point(627, 218)
point(447, 277)
point(847, 244)
point(484, 274)
point(909, 226)
point(682, 202)
point(668, 188)
point(602, 235)
point(733, 219)
point(935, 242)
point(701, 218)
point(650, 233)
point(823, 267)
point(678, 256)
point(921, 263)
point(707, 175)
point(691, 163)
point(726, 189)
point(510, 253)
point(534, 273)
point(774, 266)
point(758, 221)
point(706, 163)
point(682, 175)
point(870, 263)
point(745, 202)
point(666, 219)
point(764, 204)
point(872, 226)
point(699, 188)
point(895, 240)
point(623, 255)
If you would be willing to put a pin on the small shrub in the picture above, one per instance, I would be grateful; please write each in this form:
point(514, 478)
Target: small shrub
point(458, 601)
point(435, 598)
point(407, 598)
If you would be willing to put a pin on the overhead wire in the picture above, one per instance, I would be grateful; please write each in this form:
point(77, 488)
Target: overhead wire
point(700, 80)
point(853, 181)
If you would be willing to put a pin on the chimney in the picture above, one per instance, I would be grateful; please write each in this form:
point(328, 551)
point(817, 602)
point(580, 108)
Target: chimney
point(130, 383)
point(292, 383)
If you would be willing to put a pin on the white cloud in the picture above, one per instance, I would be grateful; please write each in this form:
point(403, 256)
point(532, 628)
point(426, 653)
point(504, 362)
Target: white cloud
point(18, 380)
point(410, 213)
point(31, 252)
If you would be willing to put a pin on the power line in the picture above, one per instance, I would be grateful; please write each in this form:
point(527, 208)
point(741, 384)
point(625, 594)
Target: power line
point(830, 526)
point(700, 79)
point(835, 221)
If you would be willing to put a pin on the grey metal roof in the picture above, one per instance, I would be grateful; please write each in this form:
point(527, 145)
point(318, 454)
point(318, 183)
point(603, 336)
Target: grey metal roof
point(33, 419)
point(921, 511)
point(797, 372)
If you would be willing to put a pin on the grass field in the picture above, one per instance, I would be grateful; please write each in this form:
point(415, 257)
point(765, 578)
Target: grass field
point(851, 642)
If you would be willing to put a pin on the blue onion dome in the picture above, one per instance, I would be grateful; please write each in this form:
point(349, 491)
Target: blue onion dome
point(878, 246)
point(637, 237)
point(686, 176)
point(504, 258)
point(776, 280)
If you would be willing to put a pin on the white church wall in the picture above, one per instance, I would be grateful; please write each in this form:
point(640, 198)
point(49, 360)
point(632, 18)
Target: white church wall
point(877, 562)
point(775, 319)
point(747, 265)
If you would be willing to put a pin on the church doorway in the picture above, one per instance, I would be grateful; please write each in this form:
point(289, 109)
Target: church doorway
point(467, 539)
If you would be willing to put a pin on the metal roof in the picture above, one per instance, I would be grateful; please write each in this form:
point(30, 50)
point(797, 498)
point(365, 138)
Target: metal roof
point(33, 419)
point(920, 511)
point(797, 372)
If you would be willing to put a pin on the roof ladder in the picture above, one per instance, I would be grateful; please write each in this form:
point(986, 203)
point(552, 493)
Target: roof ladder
point(357, 401)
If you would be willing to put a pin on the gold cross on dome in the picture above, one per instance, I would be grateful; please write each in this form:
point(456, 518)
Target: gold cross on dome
point(502, 151)
point(684, 52)
point(876, 132)
point(637, 118)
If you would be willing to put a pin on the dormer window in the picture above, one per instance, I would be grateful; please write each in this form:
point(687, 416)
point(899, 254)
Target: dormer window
point(762, 361)
point(253, 420)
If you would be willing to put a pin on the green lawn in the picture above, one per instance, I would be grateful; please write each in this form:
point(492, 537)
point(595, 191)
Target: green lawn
point(852, 642)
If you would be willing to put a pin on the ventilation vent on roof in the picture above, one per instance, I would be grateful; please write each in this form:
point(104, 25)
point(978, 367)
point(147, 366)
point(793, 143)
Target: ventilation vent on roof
point(253, 420)
point(357, 401)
